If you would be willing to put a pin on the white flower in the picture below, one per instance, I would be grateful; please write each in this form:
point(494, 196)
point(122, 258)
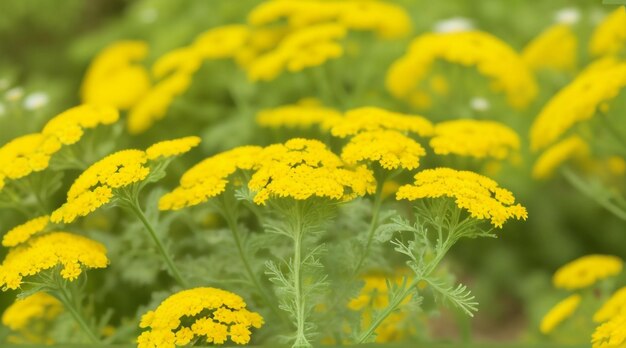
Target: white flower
point(14, 94)
point(567, 15)
point(479, 104)
point(453, 25)
point(36, 100)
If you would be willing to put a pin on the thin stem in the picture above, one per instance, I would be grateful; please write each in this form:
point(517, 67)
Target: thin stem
point(378, 199)
point(69, 304)
point(300, 301)
point(612, 130)
point(134, 206)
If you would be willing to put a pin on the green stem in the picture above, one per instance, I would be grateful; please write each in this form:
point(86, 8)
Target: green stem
point(378, 199)
point(168, 260)
point(612, 130)
point(66, 299)
point(300, 301)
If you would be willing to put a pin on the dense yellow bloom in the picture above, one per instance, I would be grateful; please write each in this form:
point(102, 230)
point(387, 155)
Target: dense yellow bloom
point(94, 187)
point(557, 154)
point(170, 148)
point(260, 41)
point(387, 20)
point(68, 127)
point(610, 36)
point(208, 313)
point(586, 271)
point(391, 149)
point(70, 252)
point(479, 195)
point(611, 334)
point(558, 313)
point(614, 306)
point(300, 49)
point(27, 154)
point(115, 78)
point(474, 138)
point(38, 306)
point(21, 233)
point(492, 57)
point(578, 101)
point(555, 48)
point(366, 119)
point(304, 114)
point(221, 42)
point(303, 168)
point(209, 178)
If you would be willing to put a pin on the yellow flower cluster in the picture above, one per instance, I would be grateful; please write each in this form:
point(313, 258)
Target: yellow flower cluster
point(586, 271)
point(479, 195)
point(576, 102)
point(492, 57)
point(474, 138)
point(387, 20)
point(38, 306)
point(372, 119)
point(557, 154)
point(300, 49)
point(171, 148)
point(31, 153)
point(175, 70)
point(70, 252)
point(21, 233)
point(559, 312)
point(613, 307)
point(302, 168)
point(391, 149)
point(556, 48)
point(304, 114)
point(115, 78)
point(611, 334)
point(610, 36)
point(209, 178)
point(213, 314)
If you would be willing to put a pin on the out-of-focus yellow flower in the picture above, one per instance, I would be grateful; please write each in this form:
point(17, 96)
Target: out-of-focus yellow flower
point(614, 306)
point(171, 148)
point(557, 154)
point(492, 57)
point(38, 306)
point(556, 48)
point(367, 119)
point(479, 195)
point(115, 78)
point(474, 138)
point(391, 149)
point(27, 154)
point(68, 127)
point(611, 334)
point(213, 315)
point(586, 271)
point(21, 233)
point(304, 114)
point(558, 313)
point(610, 36)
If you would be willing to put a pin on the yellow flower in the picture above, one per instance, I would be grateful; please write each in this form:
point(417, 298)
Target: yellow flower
point(303, 48)
point(477, 194)
point(558, 313)
point(474, 138)
point(68, 126)
point(577, 102)
point(614, 306)
point(170, 148)
point(27, 154)
point(492, 57)
point(305, 114)
point(557, 154)
point(586, 271)
point(203, 313)
point(21, 233)
point(209, 178)
point(611, 334)
point(94, 187)
point(221, 42)
point(610, 36)
point(373, 118)
point(555, 48)
point(260, 41)
point(391, 149)
point(114, 78)
point(71, 253)
point(38, 306)
point(303, 168)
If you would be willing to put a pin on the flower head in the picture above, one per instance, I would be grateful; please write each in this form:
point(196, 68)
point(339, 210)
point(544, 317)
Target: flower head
point(611, 334)
point(304, 114)
point(586, 271)
point(38, 306)
point(477, 194)
point(170, 148)
point(373, 118)
point(557, 154)
point(610, 36)
point(492, 57)
point(556, 48)
point(615, 305)
point(21, 233)
point(68, 126)
point(479, 139)
point(558, 313)
point(214, 315)
point(70, 252)
point(27, 154)
point(391, 149)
